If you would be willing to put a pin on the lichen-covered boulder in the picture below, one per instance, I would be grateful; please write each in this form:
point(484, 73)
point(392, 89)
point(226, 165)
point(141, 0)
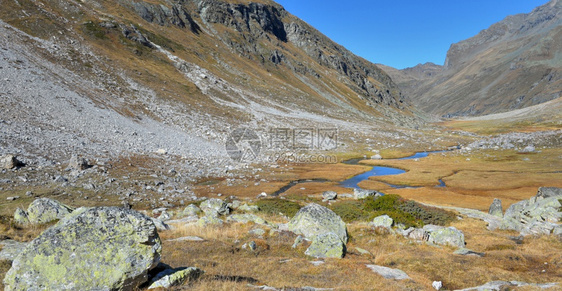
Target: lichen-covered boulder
point(20, 217)
point(383, 221)
point(496, 208)
point(174, 277)
point(190, 210)
point(44, 210)
point(246, 218)
point(445, 236)
point(328, 245)
point(215, 207)
point(103, 248)
point(313, 220)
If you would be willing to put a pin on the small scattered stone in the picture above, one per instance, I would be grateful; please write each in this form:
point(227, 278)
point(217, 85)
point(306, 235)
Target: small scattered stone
point(389, 273)
point(329, 195)
point(77, 163)
point(9, 162)
point(175, 277)
point(188, 238)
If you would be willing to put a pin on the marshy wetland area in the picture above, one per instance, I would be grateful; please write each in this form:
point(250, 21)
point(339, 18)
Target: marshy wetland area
point(253, 246)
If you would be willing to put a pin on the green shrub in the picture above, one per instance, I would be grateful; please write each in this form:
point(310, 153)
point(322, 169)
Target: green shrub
point(428, 215)
point(407, 212)
point(350, 211)
point(386, 202)
point(276, 206)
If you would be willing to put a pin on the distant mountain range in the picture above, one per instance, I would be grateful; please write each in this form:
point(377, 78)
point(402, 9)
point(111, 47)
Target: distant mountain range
point(513, 64)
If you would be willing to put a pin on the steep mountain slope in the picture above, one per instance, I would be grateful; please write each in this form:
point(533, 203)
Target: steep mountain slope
point(176, 75)
point(513, 64)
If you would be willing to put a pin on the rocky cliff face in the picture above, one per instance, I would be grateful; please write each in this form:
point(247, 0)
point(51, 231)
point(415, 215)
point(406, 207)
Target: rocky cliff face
point(265, 32)
point(513, 64)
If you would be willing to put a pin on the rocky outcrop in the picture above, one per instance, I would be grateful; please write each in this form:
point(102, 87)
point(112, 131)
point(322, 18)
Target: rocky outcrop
point(104, 248)
point(539, 215)
point(176, 15)
point(314, 220)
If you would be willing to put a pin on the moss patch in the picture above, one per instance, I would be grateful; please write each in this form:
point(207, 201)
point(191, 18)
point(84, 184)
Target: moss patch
point(407, 212)
point(275, 206)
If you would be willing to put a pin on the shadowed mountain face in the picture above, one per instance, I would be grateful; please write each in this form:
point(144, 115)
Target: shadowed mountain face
point(513, 64)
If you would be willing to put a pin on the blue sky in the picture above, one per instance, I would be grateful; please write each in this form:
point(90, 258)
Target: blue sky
point(404, 33)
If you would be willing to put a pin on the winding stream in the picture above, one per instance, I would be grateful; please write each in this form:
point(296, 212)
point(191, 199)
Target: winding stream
point(374, 172)
point(385, 171)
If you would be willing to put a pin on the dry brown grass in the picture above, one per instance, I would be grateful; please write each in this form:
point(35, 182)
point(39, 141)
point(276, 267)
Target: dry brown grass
point(228, 266)
point(474, 180)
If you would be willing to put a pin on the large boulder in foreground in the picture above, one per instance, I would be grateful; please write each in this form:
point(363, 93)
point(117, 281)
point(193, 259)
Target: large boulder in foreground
point(314, 220)
point(103, 248)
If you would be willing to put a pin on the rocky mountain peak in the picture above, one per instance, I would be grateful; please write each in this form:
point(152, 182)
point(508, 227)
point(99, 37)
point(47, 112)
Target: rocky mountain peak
point(540, 20)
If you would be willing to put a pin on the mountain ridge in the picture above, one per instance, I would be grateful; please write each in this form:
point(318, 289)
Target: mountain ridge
point(513, 64)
